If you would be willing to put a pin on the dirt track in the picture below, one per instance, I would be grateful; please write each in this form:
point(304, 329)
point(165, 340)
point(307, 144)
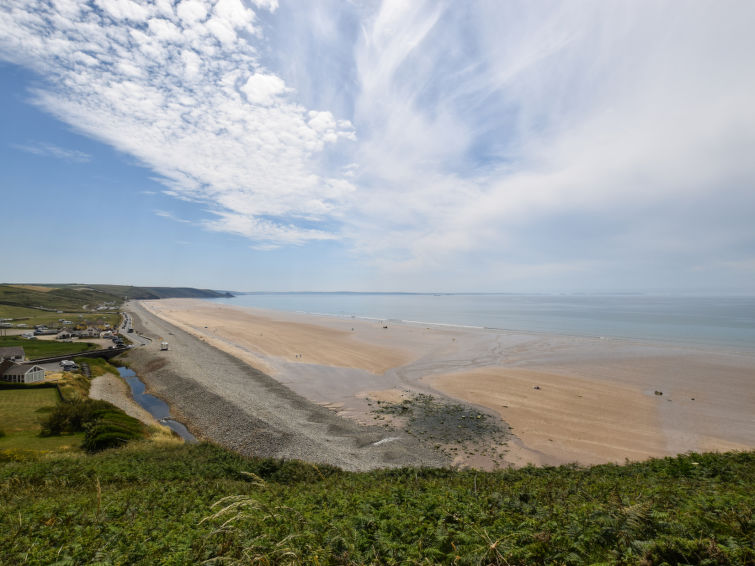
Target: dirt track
point(222, 399)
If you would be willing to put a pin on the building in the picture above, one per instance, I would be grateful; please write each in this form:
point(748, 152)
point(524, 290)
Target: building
point(12, 353)
point(21, 373)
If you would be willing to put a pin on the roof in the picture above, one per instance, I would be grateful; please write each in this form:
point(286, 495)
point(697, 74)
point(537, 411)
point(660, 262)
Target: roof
point(16, 369)
point(11, 352)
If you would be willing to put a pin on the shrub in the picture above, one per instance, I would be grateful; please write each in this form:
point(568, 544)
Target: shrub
point(104, 424)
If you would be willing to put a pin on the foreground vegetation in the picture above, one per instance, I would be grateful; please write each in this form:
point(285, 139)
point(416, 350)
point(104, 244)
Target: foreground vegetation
point(169, 503)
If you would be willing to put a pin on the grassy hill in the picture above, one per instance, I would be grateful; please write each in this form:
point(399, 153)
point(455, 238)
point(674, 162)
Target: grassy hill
point(44, 304)
point(153, 503)
point(145, 293)
point(70, 298)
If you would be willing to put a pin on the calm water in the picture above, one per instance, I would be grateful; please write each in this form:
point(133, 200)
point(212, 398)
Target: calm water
point(156, 407)
point(714, 321)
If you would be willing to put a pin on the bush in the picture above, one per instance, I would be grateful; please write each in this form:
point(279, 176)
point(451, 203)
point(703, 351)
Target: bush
point(104, 424)
point(2, 433)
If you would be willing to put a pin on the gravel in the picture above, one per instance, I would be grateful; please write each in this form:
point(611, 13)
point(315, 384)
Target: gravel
point(113, 389)
point(224, 400)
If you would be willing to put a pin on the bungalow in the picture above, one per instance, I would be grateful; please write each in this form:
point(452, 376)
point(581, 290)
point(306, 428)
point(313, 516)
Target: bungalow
point(12, 353)
point(21, 373)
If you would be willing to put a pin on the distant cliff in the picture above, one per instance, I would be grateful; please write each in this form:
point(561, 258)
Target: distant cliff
point(131, 292)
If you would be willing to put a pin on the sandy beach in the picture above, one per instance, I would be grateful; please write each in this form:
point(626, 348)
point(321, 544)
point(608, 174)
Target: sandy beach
point(567, 399)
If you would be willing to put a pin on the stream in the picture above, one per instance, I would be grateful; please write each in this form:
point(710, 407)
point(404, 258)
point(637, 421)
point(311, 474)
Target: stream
point(156, 407)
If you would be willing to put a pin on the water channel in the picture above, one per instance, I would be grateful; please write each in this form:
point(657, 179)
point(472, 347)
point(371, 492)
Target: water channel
point(156, 407)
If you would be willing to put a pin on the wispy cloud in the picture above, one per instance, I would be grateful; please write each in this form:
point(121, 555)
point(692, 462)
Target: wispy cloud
point(517, 140)
point(171, 216)
point(50, 150)
point(182, 88)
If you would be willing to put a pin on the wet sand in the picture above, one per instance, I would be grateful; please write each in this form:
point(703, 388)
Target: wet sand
point(568, 399)
point(223, 399)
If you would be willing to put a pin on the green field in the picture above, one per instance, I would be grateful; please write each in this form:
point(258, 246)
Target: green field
point(32, 317)
point(65, 298)
point(21, 411)
point(35, 304)
point(44, 348)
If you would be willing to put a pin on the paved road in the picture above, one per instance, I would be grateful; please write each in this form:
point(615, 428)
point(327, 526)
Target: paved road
point(134, 336)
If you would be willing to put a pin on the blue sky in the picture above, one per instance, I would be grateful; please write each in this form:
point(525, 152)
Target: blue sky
point(409, 146)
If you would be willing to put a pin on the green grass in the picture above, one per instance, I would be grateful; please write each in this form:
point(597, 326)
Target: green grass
point(20, 409)
point(98, 366)
point(31, 317)
point(33, 306)
point(70, 298)
point(164, 504)
point(44, 348)
point(21, 413)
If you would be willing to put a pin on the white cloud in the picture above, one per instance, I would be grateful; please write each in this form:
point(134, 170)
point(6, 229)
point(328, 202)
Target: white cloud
point(271, 5)
point(189, 100)
point(118, 9)
point(263, 89)
point(168, 215)
point(546, 111)
point(429, 134)
point(191, 11)
point(234, 12)
point(50, 150)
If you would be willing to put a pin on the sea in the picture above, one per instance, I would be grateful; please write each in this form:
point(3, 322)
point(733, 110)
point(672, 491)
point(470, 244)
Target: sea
point(727, 322)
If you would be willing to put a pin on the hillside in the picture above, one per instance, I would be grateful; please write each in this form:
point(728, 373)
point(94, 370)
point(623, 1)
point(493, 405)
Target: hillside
point(179, 504)
point(69, 298)
point(145, 293)
point(80, 297)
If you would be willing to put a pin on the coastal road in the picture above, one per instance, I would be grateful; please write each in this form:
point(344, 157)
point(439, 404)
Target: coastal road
point(128, 325)
point(221, 398)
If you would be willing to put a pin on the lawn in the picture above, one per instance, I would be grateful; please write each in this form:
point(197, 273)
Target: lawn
point(20, 413)
point(44, 348)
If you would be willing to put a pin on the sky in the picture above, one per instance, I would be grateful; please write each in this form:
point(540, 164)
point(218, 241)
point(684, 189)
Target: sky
point(440, 146)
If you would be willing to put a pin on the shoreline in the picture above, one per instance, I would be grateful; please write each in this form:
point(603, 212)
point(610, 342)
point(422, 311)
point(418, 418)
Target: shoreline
point(223, 399)
point(665, 341)
point(340, 362)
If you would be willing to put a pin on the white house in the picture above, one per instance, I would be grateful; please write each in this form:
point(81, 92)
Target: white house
point(12, 353)
point(23, 373)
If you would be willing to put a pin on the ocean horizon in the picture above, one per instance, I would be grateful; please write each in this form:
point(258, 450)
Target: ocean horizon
point(718, 321)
